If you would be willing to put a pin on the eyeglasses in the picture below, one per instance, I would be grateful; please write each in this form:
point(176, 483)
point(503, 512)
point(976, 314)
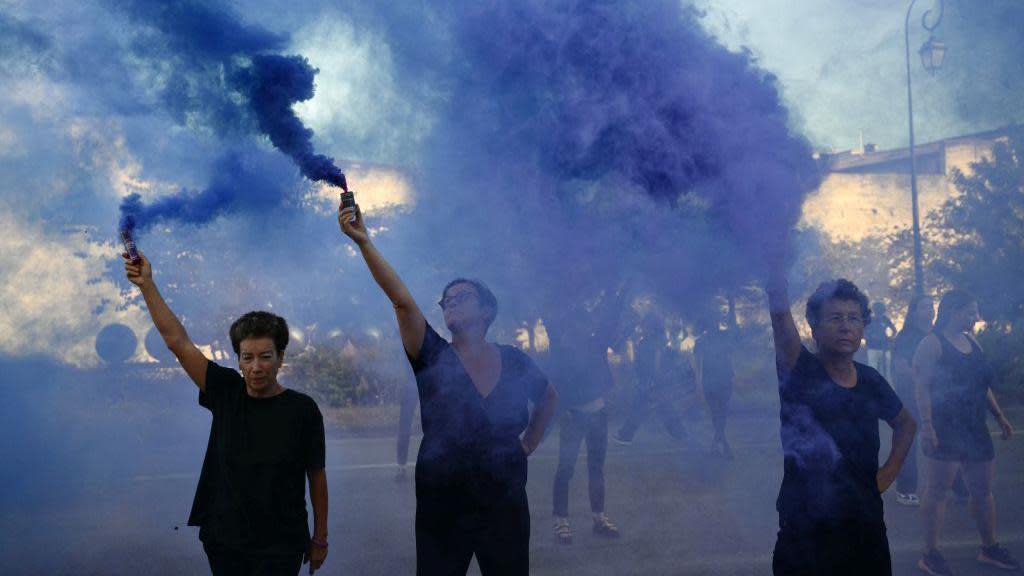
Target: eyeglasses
point(450, 301)
point(851, 319)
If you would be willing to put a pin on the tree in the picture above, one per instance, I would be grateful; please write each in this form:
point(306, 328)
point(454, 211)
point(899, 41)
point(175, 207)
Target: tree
point(980, 248)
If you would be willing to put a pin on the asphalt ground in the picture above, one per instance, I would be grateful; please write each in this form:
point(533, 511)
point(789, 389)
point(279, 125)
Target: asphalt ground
point(681, 510)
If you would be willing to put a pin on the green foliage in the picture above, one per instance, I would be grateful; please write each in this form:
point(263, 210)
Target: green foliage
point(983, 251)
point(341, 377)
point(984, 226)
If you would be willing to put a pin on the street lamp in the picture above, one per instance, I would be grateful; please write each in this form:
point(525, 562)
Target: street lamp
point(933, 52)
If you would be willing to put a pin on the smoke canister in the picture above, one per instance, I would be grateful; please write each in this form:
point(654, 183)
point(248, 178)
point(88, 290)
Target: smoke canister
point(129, 245)
point(348, 200)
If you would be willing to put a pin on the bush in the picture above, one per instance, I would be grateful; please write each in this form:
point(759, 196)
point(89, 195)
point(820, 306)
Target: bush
point(342, 377)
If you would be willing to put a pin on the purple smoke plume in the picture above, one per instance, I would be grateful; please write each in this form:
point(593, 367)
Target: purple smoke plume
point(203, 40)
point(234, 180)
point(273, 84)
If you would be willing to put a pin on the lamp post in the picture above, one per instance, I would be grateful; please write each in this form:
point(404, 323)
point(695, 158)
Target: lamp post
point(932, 54)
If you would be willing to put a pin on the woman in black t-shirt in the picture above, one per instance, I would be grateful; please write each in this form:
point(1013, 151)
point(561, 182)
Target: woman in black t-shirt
point(477, 429)
point(266, 442)
point(831, 519)
point(953, 383)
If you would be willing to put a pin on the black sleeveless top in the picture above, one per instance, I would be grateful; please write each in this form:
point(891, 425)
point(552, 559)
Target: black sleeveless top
point(959, 400)
point(960, 383)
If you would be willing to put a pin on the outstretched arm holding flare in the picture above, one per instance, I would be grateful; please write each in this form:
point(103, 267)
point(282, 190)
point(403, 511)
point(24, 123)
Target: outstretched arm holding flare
point(411, 323)
point(175, 337)
point(784, 332)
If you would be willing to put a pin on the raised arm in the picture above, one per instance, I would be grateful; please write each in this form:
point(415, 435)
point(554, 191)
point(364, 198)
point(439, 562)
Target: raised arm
point(411, 323)
point(925, 358)
point(170, 328)
point(784, 332)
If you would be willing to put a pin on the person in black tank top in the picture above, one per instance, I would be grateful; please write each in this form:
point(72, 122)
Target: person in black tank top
point(953, 385)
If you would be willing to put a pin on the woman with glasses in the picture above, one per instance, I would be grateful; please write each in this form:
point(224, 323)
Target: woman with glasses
point(953, 383)
point(477, 426)
point(830, 503)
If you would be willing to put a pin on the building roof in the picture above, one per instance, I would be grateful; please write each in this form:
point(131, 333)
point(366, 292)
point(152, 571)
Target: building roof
point(930, 158)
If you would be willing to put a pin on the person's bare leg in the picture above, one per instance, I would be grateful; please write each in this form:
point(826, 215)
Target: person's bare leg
point(983, 506)
point(933, 505)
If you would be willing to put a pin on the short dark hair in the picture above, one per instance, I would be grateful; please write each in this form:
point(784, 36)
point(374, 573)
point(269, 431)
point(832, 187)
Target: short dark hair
point(839, 289)
point(952, 302)
point(483, 294)
point(259, 324)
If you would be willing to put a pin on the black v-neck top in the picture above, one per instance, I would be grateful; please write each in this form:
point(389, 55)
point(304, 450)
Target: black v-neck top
point(470, 442)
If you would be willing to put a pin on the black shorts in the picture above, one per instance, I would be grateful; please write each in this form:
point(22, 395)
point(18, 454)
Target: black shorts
point(961, 438)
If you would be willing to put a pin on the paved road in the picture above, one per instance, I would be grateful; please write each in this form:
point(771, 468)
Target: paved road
point(122, 510)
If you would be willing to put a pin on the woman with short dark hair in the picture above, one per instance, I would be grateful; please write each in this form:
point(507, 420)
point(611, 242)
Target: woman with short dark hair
point(953, 382)
point(477, 428)
point(266, 441)
point(830, 507)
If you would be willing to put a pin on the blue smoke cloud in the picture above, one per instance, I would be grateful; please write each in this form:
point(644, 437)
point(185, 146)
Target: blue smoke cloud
point(217, 61)
point(235, 178)
point(586, 142)
point(273, 84)
point(571, 144)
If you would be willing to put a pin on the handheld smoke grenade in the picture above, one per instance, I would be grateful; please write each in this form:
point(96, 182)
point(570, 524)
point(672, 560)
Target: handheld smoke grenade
point(348, 200)
point(129, 245)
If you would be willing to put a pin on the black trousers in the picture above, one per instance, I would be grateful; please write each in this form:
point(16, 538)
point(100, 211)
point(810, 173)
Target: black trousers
point(574, 428)
point(449, 533)
point(225, 562)
point(846, 550)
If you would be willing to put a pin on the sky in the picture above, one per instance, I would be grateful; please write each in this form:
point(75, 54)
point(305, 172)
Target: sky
point(435, 120)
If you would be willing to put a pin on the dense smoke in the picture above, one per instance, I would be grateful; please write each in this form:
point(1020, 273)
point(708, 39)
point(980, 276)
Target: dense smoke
point(205, 39)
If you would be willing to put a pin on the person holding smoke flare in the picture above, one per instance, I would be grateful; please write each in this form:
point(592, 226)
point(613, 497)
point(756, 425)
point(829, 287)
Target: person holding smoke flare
point(266, 441)
point(954, 387)
point(477, 429)
point(831, 519)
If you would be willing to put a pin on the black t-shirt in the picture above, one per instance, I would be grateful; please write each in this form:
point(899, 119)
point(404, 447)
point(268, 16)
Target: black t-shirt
point(831, 442)
point(252, 492)
point(470, 443)
point(580, 371)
